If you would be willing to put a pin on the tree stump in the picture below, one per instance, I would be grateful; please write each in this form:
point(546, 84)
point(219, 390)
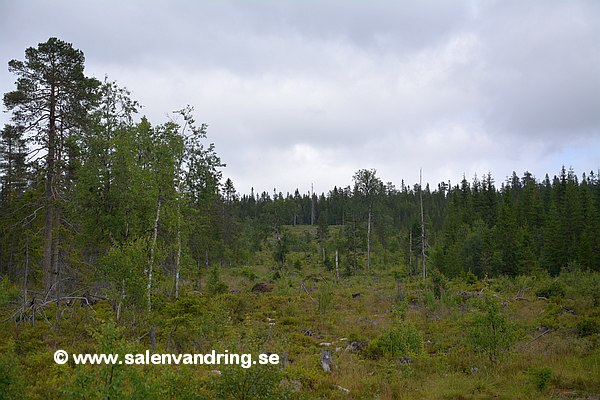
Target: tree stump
point(327, 360)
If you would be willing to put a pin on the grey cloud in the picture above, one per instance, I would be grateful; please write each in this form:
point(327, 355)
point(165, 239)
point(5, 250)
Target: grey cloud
point(542, 69)
point(310, 91)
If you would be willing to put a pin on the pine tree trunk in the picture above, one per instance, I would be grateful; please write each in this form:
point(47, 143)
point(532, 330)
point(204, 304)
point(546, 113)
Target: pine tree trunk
point(48, 228)
point(56, 248)
point(56, 262)
point(49, 188)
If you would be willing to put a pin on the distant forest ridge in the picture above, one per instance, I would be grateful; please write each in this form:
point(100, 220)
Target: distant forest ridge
point(475, 226)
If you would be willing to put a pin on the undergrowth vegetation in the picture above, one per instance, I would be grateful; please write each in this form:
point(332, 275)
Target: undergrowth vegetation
point(119, 236)
point(391, 336)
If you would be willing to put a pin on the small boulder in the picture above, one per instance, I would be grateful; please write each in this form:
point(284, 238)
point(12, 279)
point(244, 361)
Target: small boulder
point(356, 345)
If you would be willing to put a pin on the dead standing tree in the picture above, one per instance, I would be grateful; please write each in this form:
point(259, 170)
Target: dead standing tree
point(423, 243)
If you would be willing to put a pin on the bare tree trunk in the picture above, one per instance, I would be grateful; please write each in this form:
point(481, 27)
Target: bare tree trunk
point(121, 300)
point(56, 247)
point(56, 261)
point(48, 228)
point(153, 337)
point(422, 226)
point(337, 267)
point(152, 251)
point(150, 268)
point(178, 258)
point(312, 205)
point(369, 240)
point(25, 277)
point(410, 247)
point(354, 241)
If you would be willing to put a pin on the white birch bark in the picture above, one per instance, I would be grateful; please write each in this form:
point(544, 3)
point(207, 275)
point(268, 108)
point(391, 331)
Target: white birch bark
point(152, 251)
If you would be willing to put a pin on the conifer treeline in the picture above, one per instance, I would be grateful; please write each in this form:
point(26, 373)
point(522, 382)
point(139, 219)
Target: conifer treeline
point(474, 226)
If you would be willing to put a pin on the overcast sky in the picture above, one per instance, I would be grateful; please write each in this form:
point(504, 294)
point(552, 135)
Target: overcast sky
point(301, 92)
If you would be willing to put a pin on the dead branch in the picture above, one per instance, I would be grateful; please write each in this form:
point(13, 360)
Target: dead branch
point(35, 307)
point(303, 286)
point(52, 287)
point(28, 218)
point(541, 335)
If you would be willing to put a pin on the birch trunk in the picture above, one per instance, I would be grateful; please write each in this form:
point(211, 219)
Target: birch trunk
point(179, 191)
point(337, 267)
point(152, 251)
point(178, 258)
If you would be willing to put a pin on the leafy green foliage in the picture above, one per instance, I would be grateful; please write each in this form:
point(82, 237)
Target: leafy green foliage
point(401, 341)
point(215, 285)
point(491, 332)
point(258, 382)
point(588, 327)
point(553, 290)
point(541, 377)
point(123, 266)
point(324, 297)
point(11, 383)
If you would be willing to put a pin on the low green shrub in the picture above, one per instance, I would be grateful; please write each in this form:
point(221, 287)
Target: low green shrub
point(540, 377)
point(491, 332)
point(11, 384)
point(553, 290)
point(470, 278)
point(401, 341)
point(215, 285)
point(588, 327)
point(325, 297)
point(256, 382)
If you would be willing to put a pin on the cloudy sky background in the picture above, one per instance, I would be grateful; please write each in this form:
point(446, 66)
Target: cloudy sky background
point(307, 91)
